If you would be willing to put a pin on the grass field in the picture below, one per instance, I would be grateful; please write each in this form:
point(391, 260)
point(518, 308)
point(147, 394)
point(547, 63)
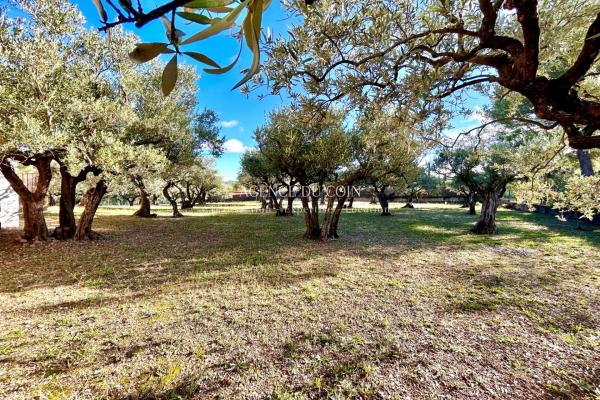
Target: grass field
point(231, 304)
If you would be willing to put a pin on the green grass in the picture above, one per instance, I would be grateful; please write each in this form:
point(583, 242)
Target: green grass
point(231, 303)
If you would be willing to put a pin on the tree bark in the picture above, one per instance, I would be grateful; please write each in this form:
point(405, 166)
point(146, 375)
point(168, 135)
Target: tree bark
point(472, 203)
point(350, 202)
point(91, 200)
point(336, 218)
point(311, 216)
point(290, 205)
point(277, 203)
point(384, 204)
point(144, 210)
point(585, 163)
point(332, 216)
point(68, 191)
point(35, 227)
point(263, 202)
point(187, 199)
point(171, 200)
point(487, 220)
point(66, 216)
point(409, 201)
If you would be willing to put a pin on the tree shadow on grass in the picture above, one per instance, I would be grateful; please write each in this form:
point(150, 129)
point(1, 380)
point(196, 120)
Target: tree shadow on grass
point(139, 254)
point(142, 254)
point(449, 225)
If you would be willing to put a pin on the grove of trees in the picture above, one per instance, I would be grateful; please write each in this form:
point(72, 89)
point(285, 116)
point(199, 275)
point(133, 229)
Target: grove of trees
point(375, 88)
point(73, 99)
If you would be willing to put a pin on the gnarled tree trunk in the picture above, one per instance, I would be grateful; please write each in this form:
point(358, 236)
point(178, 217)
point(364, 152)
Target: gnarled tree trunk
point(66, 215)
point(332, 216)
point(585, 163)
point(144, 210)
point(35, 227)
point(487, 220)
point(68, 189)
point(171, 200)
point(290, 205)
point(471, 201)
point(333, 232)
point(384, 204)
point(351, 202)
point(263, 202)
point(311, 216)
point(409, 201)
point(91, 201)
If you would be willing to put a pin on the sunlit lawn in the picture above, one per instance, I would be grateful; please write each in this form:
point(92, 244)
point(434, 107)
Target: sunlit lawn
point(229, 303)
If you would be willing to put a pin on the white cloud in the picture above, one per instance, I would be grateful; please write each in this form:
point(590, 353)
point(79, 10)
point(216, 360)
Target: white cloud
point(478, 115)
point(235, 146)
point(230, 124)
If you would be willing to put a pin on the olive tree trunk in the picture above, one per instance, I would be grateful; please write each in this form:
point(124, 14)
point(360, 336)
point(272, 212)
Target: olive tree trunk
point(91, 200)
point(585, 163)
point(66, 215)
point(33, 202)
point(290, 205)
point(68, 189)
point(487, 220)
point(471, 200)
point(171, 199)
point(310, 206)
point(384, 204)
point(332, 216)
point(351, 202)
point(144, 210)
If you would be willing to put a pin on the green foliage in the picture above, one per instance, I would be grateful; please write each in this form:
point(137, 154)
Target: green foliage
point(305, 141)
point(196, 15)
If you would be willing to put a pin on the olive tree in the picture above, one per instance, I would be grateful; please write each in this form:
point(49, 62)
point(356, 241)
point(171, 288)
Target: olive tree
point(432, 53)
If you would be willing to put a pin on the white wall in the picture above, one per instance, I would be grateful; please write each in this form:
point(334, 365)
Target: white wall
point(9, 205)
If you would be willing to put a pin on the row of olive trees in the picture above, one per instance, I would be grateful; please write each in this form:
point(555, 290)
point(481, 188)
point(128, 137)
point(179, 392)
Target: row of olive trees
point(74, 100)
point(308, 148)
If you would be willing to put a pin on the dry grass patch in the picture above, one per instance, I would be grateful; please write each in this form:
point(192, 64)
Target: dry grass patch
point(237, 305)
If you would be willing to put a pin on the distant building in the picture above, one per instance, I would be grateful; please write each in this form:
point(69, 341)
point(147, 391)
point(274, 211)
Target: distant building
point(242, 196)
point(9, 205)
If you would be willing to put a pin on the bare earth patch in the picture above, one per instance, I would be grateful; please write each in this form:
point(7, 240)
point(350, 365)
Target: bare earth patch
point(238, 306)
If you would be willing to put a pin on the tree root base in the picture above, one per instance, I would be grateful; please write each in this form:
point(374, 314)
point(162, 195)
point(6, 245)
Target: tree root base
point(143, 215)
point(483, 229)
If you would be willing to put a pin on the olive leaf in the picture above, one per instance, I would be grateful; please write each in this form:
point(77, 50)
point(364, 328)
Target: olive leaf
point(101, 10)
point(202, 58)
point(169, 76)
point(144, 52)
point(218, 25)
point(198, 18)
point(208, 3)
point(220, 9)
point(252, 26)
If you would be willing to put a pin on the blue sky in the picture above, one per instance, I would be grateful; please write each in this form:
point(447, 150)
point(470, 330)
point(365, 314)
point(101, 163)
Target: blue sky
point(240, 114)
